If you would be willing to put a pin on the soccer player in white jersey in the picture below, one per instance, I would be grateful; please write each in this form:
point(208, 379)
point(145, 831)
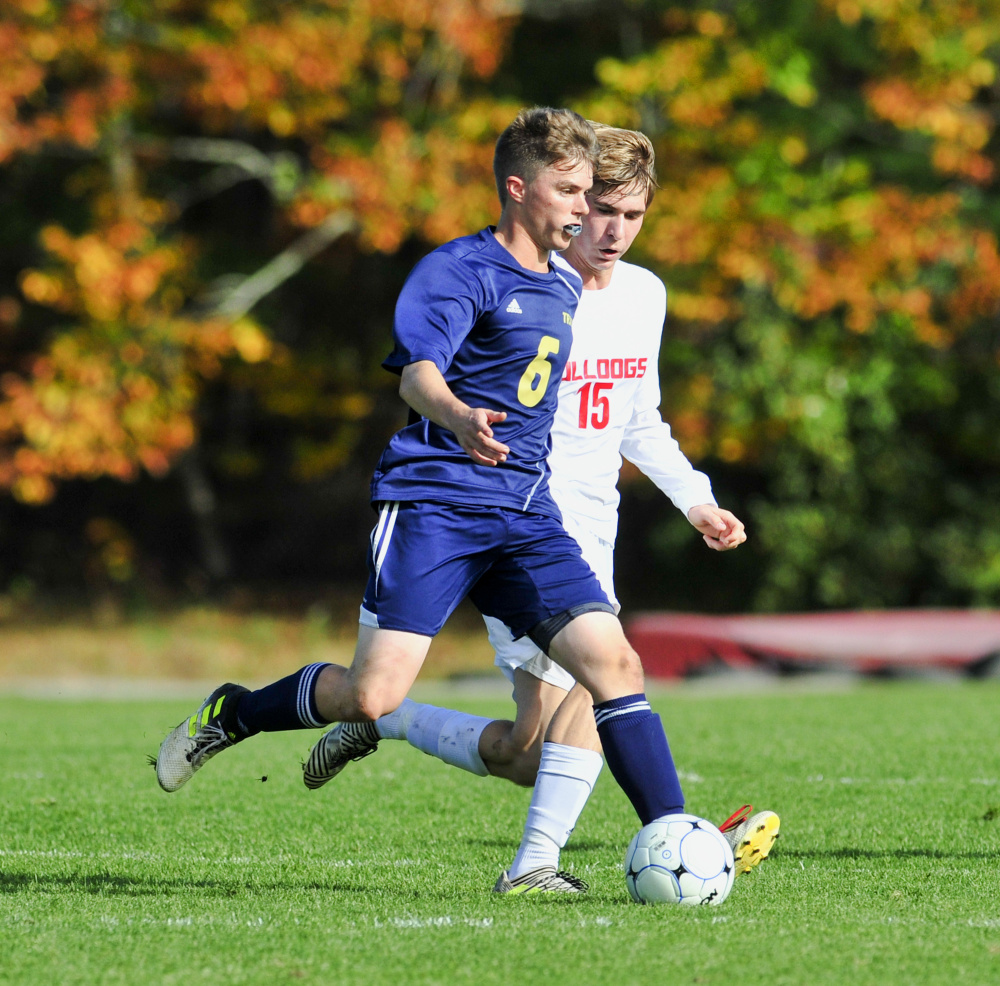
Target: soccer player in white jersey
point(608, 408)
point(482, 334)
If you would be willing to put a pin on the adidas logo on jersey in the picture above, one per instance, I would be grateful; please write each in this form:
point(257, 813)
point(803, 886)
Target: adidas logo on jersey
point(514, 308)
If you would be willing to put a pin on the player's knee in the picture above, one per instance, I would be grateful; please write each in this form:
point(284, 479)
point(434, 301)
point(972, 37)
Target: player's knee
point(621, 669)
point(371, 703)
point(628, 661)
point(630, 668)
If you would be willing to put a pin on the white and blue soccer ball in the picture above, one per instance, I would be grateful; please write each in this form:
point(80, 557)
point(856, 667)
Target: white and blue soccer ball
point(679, 859)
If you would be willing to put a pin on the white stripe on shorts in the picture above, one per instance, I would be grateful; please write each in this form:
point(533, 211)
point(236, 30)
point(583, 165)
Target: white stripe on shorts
point(376, 535)
point(383, 534)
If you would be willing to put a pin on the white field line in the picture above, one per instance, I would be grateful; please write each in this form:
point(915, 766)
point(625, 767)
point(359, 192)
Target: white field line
point(393, 923)
point(406, 922)
point(199, 859)
point(894, 781)
point(445, 921)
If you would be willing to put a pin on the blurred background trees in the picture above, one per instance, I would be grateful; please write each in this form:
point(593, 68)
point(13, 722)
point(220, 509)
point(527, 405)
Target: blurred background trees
point(207, 209)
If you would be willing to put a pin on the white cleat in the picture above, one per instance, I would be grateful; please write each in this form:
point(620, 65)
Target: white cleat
point(334, 750)
point(544, 880)
point(194, 742)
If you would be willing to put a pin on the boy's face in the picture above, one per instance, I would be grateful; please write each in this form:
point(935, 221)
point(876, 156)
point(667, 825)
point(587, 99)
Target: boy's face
point(555, 202)
point(613, 222)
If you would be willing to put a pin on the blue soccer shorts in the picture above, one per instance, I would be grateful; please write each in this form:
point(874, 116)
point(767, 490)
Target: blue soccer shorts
point(525, 654)
point(425, 557)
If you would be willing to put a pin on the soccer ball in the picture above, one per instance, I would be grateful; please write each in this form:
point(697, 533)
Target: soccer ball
point(679, 859)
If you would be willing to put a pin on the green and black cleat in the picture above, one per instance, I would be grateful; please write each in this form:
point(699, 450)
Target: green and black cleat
point(197, 739)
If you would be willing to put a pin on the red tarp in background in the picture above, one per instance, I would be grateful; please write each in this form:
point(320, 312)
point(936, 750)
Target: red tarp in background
point(674, 644)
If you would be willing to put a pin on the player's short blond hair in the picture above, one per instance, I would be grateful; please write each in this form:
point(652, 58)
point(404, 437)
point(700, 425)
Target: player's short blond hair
point(626, 162)
point(537, 138)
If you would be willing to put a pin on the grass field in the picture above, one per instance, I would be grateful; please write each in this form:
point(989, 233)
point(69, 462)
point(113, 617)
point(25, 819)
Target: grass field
point(886, 871)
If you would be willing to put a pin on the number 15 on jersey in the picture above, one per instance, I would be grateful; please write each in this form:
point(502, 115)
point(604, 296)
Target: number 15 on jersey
point(595, 407)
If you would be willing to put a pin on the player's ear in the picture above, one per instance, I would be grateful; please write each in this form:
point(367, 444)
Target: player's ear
point(516, 187)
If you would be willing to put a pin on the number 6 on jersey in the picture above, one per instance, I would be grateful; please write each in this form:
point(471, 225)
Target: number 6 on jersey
point(535, 379)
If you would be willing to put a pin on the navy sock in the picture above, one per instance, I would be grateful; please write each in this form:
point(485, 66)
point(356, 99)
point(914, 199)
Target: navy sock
point(286, 704)
point(637, 753)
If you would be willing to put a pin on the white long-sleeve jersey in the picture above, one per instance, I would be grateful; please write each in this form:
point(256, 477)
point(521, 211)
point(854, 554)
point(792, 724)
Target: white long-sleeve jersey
point(609, 400)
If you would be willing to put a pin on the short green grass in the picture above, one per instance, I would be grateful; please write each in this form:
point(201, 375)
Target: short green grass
point(887, 870)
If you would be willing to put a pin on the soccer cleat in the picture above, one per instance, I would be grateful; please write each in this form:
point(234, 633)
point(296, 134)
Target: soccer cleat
point(347, 741)
point(196, 740)
point(751, 836)
point(544, 880)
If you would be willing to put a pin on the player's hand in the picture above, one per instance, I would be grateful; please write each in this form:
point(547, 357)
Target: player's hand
point(475, 435)
point(719, 529)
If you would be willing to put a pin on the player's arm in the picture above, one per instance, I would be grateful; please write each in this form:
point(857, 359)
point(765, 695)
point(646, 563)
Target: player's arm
point(424, 388)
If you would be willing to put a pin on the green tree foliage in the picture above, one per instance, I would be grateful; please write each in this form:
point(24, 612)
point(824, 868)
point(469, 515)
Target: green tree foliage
point(827, 224)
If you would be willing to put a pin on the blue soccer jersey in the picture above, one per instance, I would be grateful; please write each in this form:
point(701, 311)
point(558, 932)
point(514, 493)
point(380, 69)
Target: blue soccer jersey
point(500, 335)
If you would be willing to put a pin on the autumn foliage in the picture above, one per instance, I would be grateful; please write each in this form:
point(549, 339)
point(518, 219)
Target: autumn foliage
point(129, 88)
point(826, 225)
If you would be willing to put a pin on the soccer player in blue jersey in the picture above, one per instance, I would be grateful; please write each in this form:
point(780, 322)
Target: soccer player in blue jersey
point(482, 334)
point(609, 401)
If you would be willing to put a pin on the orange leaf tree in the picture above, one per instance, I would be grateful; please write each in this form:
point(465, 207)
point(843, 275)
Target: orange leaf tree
point(351, 114)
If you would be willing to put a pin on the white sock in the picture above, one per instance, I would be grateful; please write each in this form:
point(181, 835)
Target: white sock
point(443, 733)
point(393, 726)
point(566, 776)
